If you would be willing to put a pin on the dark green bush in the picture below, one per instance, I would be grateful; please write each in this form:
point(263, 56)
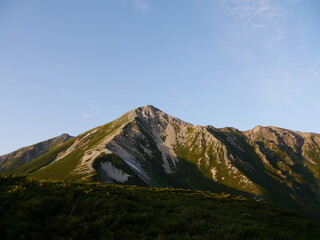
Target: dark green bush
point(63, 210)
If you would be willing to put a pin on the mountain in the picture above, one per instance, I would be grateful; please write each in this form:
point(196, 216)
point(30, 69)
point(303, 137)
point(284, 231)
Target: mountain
point(24, 155)
point(148, 147)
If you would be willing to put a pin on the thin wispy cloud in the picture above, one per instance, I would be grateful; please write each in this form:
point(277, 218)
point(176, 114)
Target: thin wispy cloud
point(91, 111)
point(298, 48)
point(316, 105)
point(94, 108)
point(314, 73)
point(251, 16)
point(141, 5)
point(258, 26)
point(35, 86)
point(274, 40)
point(65, 91)
point(9, 79)
point(281, 89)
point(250, 12)
point(86, 115)
point(183, 102)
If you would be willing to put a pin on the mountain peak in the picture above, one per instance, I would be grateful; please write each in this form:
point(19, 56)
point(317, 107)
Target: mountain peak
point(150, 112)
point(148, 108)
point(66, 136)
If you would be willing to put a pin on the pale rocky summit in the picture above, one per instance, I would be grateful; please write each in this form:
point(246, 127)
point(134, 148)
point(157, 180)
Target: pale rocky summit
point(149, 147)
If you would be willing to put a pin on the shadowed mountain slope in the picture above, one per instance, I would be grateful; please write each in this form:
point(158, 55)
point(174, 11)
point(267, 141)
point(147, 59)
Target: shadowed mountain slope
point(26, 154)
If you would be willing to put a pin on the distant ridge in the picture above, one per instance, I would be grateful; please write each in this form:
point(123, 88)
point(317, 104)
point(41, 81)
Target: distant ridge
point(26, 154)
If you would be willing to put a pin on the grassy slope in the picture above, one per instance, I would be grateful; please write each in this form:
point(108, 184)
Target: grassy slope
point(64, 168)
point(63, 210)
point(41, 161)
point(19, 157)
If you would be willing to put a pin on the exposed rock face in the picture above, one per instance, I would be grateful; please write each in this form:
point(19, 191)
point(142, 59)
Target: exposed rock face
point(148, 147)
point(26, 154)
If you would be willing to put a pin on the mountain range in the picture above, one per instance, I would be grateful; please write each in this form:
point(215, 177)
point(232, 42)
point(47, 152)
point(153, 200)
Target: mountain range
point(148, 147)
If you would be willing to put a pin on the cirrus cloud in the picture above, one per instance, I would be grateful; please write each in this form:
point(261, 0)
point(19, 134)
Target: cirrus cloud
point(141, 5)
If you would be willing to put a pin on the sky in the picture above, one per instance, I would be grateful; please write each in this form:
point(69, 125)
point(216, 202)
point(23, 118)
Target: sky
point(69, 66)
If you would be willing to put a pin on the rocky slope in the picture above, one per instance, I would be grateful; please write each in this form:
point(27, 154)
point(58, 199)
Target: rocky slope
point(148, 147)
point(24, 155)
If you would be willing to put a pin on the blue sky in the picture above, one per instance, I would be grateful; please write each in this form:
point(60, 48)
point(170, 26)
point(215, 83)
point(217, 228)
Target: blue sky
point(69, 66)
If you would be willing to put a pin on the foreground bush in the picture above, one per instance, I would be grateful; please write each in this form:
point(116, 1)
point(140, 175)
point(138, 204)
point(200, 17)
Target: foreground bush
point(63, 210)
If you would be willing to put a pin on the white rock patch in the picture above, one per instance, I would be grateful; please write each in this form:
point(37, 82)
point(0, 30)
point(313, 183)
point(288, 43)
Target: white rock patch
point(133, 166)
point(85, 166)
point(214, 173)
point(114, 173)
